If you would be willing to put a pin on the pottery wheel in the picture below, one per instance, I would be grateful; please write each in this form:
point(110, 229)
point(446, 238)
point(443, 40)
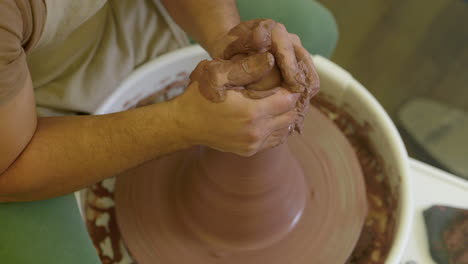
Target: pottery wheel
point(324, 232)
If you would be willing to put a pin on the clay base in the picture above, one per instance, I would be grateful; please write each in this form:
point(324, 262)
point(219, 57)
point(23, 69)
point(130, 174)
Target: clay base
point(326, 233)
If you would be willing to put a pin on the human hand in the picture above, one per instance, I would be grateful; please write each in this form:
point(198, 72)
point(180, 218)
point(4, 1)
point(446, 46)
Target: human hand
point(262, 35)
point(295, 72)
point(211, 112)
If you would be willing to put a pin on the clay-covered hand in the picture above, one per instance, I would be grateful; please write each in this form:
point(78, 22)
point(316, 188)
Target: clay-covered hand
point(294, 68)
point(211, 112)
point(262, 35)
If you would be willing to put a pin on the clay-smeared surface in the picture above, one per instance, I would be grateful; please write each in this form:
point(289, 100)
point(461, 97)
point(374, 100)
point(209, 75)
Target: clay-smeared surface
point(217, 76)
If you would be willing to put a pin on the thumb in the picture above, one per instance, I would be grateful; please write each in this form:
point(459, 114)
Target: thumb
point(250, 69)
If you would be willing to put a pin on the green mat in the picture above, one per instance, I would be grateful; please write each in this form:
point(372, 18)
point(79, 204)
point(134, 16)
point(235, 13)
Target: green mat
point(44, 232)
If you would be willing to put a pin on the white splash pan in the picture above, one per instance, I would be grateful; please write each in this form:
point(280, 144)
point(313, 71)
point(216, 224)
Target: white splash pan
point(336, 83)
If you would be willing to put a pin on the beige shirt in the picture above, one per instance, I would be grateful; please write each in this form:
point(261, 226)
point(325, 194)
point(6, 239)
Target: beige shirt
point(79, 51)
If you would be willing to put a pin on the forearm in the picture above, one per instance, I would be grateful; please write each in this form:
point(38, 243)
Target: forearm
point(204, 20)
point(69, 153)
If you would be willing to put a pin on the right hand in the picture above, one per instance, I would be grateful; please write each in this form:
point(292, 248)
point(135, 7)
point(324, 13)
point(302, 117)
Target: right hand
point(211, 112)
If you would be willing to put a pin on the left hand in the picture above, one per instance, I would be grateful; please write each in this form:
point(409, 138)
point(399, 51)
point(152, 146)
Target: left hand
point(296, 68)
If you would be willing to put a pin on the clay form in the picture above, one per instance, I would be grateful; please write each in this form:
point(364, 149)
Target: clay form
point(301, 202)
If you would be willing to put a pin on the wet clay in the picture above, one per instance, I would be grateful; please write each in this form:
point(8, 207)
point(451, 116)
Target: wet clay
point(197, 207)
point(376, 237)
point(217, 76)
point(234, 203)
point(169, 91)
point(265, 35)
point(378, 232)
point(265, 56)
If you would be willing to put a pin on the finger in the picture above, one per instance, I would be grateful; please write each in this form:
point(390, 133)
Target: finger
point(209, 76)
point(278, 137)
point(251, 36)
point(272, 79)
point(281, 102)
point(283, 50)
point(283, 121)
point(198, 71)
point(243, 34)
point(238, 57)
point(249, 69)
point(307, 65)
point(262, 35)
point(312, 80)
point(215, 76)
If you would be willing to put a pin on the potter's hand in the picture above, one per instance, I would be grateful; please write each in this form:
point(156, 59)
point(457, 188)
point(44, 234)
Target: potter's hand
point(212, 113)
point(296, 69)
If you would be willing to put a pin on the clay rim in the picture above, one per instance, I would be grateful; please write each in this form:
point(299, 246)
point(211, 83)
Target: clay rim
point(404, 212)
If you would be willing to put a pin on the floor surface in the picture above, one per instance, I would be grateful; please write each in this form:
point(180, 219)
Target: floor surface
point(402, 49)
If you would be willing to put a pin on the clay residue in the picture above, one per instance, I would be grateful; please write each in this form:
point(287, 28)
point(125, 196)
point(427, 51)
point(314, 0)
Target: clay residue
point(164, 94)
point(294, 68)
point(456, 240)
point(101, 233)
point(250, 37)
point(377, 235)
point(216, 77)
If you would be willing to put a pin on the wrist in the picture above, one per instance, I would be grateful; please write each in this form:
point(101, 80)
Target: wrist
point(217, 42)
point(178, 125)
point(217, 46)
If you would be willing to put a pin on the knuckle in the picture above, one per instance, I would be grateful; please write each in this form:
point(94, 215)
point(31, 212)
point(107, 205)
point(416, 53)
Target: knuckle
point(266, 24)
point(254, 135)
point(250, 150)
point(281, 26)
point(295, 39)
point(199, 70)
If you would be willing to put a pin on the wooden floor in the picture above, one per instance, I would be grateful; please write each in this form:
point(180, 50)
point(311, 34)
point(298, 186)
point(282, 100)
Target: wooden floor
point(402, 49)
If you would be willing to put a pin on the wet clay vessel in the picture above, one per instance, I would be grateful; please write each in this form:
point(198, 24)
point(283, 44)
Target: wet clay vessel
point(301, 202)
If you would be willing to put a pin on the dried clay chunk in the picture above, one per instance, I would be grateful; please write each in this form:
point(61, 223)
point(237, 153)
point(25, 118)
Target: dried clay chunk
point(447, 230)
